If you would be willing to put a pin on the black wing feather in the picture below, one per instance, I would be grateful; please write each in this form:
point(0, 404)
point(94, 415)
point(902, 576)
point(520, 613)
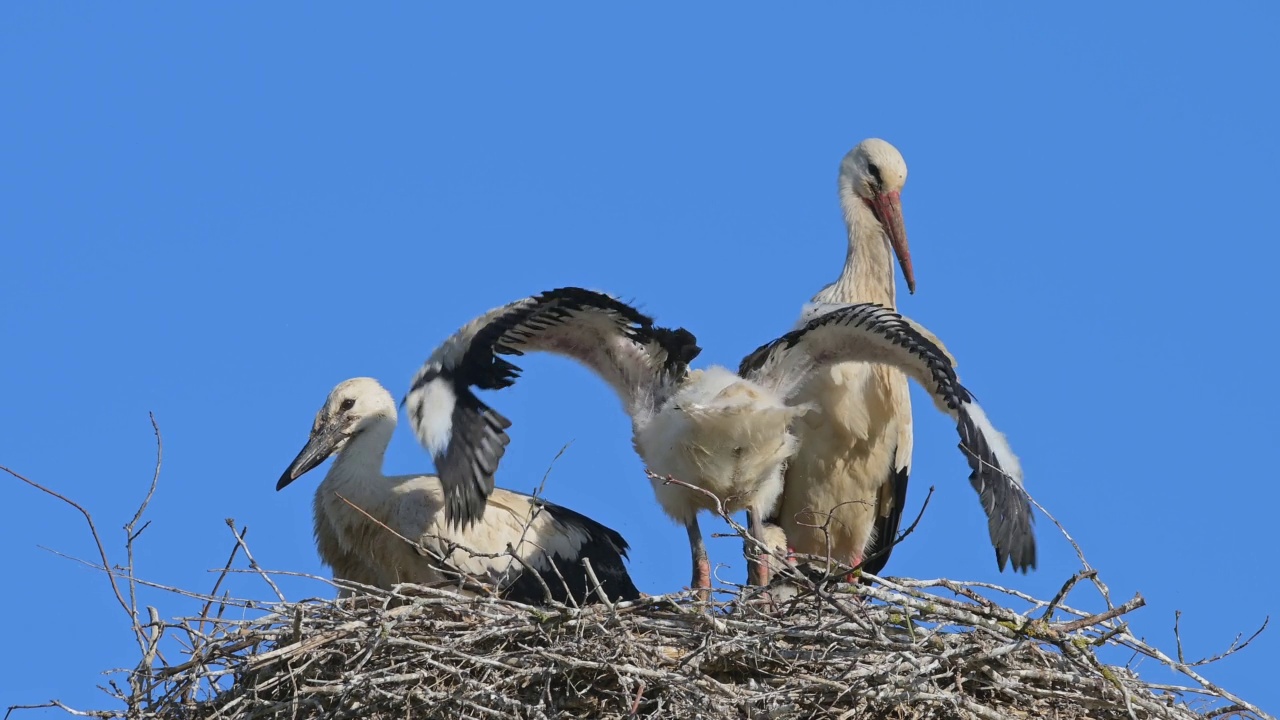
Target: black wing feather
point(605, 548)
point(886, 526)
point(555, 307)
point(1008, 508)
point(466, 468)
point(471, 459)
point(478, 437)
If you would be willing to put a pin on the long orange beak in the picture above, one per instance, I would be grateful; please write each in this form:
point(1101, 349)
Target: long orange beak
point(887, 207)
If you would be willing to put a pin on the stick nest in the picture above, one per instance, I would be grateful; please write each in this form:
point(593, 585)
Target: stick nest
point(887, 648)
point(896, 649)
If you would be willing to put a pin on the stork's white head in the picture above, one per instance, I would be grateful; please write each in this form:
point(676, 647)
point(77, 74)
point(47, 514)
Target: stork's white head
point(873, 173)
point(354, 407)
point(873, 167)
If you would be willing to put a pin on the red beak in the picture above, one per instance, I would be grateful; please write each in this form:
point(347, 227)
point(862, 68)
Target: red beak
point(887, 207)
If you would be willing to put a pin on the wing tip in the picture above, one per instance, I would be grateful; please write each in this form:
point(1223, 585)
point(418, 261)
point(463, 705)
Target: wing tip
point(567, 576)
point(463, 510)
point(1002, 494)
point(681, 344)
point(1012, 528)
point(1020, 555)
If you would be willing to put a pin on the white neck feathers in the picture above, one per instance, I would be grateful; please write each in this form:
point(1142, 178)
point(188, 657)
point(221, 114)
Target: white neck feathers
point(868, 274)
point(360, 460)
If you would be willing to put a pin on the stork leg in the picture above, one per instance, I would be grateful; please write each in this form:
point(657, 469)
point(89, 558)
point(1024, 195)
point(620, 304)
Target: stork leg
point(701, 564)
point(758, 562)
point(854, 561)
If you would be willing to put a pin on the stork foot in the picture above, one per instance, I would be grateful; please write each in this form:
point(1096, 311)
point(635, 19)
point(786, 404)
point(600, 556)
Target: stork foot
point(853, 577)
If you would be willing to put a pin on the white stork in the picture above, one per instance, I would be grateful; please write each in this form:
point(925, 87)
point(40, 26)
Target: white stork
point(548, 542)
point(724, 432)
point(846, 486)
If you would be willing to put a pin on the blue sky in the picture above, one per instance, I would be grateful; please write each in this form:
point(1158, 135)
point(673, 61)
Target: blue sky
point(218, 213)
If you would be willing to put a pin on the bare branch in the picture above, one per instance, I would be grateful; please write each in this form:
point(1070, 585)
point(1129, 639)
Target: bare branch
point(231, 524)
point(97, 540)
point(1102, 588)
point(131, 534)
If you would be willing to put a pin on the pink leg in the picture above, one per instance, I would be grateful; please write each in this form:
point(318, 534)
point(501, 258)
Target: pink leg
point(854, 562)
point(757, 569)
point(701, 564)
point(702, 573)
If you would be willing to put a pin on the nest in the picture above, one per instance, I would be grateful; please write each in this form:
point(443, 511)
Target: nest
point(893, 649)
point(881, 648)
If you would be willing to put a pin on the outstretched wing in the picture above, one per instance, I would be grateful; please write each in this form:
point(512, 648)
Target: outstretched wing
point(467, 438)
point(867, 332)
point(813, 310)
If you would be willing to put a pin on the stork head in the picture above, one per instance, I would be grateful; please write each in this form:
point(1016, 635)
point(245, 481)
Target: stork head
point(873, 173)
point(353, 407)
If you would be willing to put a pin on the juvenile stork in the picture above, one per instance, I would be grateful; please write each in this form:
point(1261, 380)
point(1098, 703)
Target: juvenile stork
point(846, 486)
point(548, 542)
point(723, 432)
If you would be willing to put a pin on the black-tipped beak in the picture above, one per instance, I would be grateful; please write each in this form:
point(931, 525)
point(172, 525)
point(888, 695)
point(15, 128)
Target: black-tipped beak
point(318, 448)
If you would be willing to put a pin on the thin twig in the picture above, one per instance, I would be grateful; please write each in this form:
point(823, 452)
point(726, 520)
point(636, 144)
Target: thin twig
point(595, 584)
point(231, 524)
point(1102, 588)
point(902, 535)
point(102, 553)
point(132, 532)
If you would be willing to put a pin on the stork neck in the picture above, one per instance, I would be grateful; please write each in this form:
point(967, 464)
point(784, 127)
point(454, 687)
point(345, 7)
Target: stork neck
point(868, 274)
point(360, 461)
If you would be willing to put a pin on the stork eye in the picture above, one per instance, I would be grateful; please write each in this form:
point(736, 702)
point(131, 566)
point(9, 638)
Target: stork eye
point(347, 405)
point(875, 172)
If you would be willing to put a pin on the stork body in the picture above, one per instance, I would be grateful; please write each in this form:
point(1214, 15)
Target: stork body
point(725, 435)
point(846, 486)
point(722, 432)
point(402, 535)
point(712, 410)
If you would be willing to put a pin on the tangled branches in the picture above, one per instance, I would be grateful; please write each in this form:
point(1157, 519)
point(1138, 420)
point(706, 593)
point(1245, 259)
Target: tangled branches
point(908, 649)
point(892, 648)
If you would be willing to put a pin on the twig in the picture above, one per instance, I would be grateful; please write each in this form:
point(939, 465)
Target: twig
point(129, 528)
point(542, 485)
point(1066, 589)
point(1177, 634)
point(1102, 588)
point(231, 524)
point(1235, 647)
point(902, 535)
point(102, 553)
point(64, 708)
point(226, 570)
point(1133, 604)
point(595, 584)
